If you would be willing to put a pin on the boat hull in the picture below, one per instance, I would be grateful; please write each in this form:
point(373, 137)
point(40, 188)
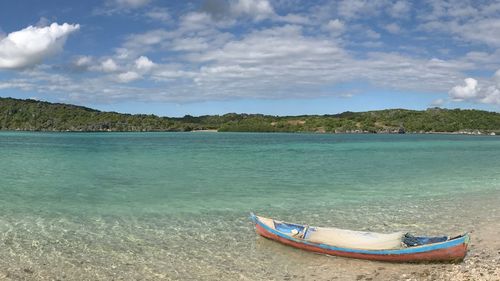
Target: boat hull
point(454, 252)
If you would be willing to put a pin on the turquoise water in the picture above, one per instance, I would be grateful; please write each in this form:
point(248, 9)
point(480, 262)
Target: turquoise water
point(175, 205)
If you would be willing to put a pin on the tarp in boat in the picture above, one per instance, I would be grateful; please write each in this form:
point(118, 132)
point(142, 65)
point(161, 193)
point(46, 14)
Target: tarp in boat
point(341, 238)
point(354, 239)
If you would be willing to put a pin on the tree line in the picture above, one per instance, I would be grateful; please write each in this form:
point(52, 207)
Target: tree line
point(33, 115)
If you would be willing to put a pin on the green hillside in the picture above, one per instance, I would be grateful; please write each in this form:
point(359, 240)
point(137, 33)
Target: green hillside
point(32, 115)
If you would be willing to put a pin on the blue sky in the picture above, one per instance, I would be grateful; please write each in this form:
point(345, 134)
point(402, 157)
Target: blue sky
point(280, 57)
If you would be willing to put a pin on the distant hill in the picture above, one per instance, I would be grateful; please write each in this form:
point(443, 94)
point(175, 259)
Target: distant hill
point(33, 115)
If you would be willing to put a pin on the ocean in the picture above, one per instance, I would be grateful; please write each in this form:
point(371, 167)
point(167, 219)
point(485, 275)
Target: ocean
point(175, 206)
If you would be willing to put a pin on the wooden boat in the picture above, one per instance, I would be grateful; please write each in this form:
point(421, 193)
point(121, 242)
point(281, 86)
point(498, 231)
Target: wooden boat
point(393, 247)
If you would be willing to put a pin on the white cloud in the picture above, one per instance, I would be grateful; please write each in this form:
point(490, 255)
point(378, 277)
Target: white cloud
point(89, 63)
point(273, 43)
point(201, 21)
point(149, 38)
point(468, 91)
point(282, 61)
point(109, 65)
point(139, 44)
point(473, 22)
point(489, 94)
point(352, 9)
point(476, 31)
point(195, 21)
point(335, 26)
point(496, 77)
point(400, 9)
point(144, 64)
point(196, 32)
point(16, 84)
point(127, 77)
point(159, 14)
point(130, 3)
point(119, 6)
point(29, 46)
point(484, 30)
point(190, 44)
point(257, 9)
point(295, 19)
point(370, 33)
point(83, 61)
point(492, 95)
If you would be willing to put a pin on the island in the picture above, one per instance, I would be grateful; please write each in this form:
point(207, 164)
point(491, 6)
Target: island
point(34, 115)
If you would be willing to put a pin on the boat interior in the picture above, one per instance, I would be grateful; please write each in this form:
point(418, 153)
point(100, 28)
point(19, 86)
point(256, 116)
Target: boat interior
point(352, 239)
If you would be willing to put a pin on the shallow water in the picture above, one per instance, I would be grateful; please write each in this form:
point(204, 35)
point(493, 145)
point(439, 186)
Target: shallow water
point(150, 206)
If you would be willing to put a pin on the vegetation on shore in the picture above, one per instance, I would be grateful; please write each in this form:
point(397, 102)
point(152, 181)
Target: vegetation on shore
point(33, 115)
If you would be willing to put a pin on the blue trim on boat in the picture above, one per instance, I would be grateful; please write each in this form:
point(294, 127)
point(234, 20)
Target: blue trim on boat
point(410, 250)
point(288, 227)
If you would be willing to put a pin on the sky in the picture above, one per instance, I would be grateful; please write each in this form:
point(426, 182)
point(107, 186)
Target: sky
point(278, 57)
